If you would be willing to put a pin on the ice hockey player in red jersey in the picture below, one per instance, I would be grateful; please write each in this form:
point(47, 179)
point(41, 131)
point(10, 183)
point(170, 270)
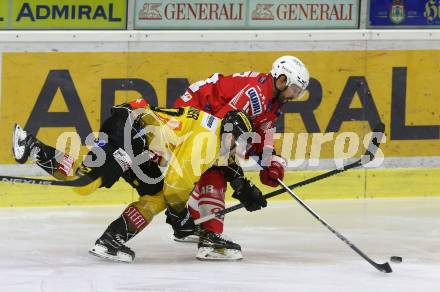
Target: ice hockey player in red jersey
point(261, 96)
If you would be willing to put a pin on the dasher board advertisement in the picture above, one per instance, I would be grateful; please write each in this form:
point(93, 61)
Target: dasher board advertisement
point(63, 14)
point(242, 14)
point(404, 13)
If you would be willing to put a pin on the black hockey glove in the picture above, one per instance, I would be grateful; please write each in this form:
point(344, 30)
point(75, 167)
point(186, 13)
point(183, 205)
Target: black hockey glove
point(116, 162)
point(232, 172)
point(248, 194)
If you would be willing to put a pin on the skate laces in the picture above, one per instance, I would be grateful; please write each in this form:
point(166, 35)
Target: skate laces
point(222, 237)
point(119, 240)
point(34, 152)
point(197, 230)
point(33, 145)
point(114, 240)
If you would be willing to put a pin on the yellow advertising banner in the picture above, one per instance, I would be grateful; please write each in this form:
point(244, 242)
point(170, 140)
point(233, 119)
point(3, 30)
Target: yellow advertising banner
point(68, 14)
point(350, 91)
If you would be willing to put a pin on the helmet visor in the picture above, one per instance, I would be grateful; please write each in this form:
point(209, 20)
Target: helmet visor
point(296, 91)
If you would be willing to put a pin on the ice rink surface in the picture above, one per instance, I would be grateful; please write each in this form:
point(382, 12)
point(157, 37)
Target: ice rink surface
point(284, 249)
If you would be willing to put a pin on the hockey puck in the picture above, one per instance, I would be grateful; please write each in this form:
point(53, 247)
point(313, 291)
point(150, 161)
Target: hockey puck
point(395, 259)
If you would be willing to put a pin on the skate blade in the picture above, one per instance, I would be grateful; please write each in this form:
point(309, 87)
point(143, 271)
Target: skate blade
point(188, 239)
point(211, 254)
point(101, 251)
point(19, 151)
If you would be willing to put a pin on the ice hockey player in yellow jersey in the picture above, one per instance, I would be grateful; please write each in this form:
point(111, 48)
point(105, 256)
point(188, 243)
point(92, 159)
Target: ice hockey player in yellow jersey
point(161, 153)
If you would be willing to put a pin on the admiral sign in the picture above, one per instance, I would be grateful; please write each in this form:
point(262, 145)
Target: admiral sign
point(242, 14)
point(63, 14)
point(3, 14)
point(400, 13)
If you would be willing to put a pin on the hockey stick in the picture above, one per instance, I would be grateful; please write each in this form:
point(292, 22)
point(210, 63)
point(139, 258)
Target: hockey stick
point(79, 182)
point(385, 267)
point(370, 153)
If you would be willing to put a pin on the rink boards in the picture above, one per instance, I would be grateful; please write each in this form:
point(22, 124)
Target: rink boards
point(355, 184)
point(52, 92)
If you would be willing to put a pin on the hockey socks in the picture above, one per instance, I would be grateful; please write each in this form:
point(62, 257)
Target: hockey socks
point(111, 244)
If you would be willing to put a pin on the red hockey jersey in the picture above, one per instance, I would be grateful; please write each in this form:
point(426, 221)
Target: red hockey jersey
point(250, 92)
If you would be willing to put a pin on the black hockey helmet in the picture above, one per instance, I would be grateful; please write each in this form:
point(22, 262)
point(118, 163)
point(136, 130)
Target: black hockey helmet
point(237, 123)
point(240, 126)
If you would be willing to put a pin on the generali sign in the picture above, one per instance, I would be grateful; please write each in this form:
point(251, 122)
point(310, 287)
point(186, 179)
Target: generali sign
point(241, 14)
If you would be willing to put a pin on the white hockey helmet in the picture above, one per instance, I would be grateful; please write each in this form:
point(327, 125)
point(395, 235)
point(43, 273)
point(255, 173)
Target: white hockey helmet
point(294, 70)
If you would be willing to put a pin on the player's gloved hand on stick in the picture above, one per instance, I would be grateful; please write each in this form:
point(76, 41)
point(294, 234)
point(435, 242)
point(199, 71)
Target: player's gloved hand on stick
point(273, 171)
point(248, 194)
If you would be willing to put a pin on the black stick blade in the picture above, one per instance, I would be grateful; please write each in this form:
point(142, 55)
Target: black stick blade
point(386, 268)
point(378, 133)
point(379, 130)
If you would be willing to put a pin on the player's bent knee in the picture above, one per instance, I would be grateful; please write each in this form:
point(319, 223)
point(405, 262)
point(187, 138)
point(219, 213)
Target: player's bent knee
point(151, 205)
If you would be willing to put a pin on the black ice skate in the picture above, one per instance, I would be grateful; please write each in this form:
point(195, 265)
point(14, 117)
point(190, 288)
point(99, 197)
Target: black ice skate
point(111, 246)
point(22, 144)
point(189, 236)
point(183, 226)
point(212, 246)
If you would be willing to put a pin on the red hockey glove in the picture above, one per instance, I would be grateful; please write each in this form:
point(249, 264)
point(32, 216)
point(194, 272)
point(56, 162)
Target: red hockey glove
point(274, 171)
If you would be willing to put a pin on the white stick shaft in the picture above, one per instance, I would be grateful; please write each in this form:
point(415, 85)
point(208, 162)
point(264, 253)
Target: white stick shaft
point(204, 219)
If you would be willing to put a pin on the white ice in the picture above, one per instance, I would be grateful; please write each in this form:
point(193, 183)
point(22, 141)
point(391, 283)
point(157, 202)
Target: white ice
point(284, 249)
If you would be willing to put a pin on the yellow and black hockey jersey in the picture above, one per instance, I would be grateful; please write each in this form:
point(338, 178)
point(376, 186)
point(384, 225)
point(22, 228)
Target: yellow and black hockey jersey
point(186, 139)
